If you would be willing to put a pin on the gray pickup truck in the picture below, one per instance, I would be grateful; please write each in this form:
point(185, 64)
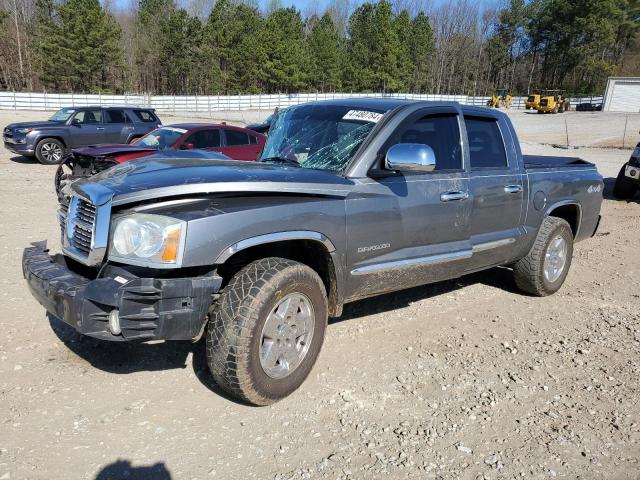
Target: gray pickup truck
point(72, 127)
point(351, 198)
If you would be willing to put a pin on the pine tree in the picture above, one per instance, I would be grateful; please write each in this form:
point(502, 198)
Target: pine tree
point(421, 46)
point(79, 47)
point(232, 37)
point(326, 52)
point(285, 63)
point(374, 49)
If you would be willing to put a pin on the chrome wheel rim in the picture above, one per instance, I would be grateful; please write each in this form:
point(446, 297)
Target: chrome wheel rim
point(286, 335)
point(555, 258)
point(51, 152)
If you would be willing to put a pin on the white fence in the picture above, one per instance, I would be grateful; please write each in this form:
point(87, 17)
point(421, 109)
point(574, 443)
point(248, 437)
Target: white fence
point(217, 103)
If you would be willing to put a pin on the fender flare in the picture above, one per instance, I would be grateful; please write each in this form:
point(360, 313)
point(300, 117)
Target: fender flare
point(336, 293)
point(563, 203)
point(272, 238)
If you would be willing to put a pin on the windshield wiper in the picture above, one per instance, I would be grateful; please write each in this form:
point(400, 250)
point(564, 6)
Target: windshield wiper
point(289, 161)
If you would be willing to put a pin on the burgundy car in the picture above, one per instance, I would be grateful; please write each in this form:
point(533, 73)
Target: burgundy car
point(237, 143)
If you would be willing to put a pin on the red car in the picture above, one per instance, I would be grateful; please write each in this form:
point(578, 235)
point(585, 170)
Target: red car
point(237, 143)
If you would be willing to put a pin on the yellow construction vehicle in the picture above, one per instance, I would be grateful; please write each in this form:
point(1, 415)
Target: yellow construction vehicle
point(500, 99)
point(532, 101)
point(553, 101)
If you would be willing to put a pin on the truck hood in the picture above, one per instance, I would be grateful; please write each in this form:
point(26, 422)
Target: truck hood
point(152, 178)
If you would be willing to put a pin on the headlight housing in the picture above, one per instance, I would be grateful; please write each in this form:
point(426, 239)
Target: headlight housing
point(24, 130)
point(147, 240)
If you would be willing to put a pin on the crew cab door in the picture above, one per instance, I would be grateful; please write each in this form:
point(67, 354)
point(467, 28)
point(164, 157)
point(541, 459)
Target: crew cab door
point(409, 228)
point(496, 188)
point(86, 128)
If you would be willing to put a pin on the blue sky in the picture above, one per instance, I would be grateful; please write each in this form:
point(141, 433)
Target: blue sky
point(303, 5)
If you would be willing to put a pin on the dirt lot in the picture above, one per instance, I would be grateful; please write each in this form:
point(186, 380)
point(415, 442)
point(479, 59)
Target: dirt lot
point(465, 379)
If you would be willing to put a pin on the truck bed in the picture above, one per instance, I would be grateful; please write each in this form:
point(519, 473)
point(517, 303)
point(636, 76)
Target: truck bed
point(533, 162)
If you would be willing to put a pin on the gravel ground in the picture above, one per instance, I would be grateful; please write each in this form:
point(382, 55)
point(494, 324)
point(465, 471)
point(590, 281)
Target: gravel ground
point(464, 379)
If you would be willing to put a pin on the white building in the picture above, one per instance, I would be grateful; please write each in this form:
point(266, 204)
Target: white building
point(622, 94)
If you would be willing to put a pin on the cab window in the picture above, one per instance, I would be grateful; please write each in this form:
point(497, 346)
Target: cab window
point(439, 131)
point(486, 148)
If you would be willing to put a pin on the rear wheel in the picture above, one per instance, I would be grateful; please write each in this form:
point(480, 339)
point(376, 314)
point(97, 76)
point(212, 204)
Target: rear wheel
point(50, 151)
point(543, 270)
point(624, 188)
point(266, 330)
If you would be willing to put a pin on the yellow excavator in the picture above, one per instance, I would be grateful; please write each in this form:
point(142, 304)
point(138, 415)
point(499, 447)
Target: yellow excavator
point(553, 101)
point(500, 99)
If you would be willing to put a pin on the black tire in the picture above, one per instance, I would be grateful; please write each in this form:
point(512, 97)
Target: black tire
point(527, 108)
point(529, 271)
point(58, 179)
point(624, 189)
point(236, 322)
point(50, 151)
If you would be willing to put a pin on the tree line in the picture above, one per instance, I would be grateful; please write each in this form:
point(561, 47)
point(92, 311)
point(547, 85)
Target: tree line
point(232, 46)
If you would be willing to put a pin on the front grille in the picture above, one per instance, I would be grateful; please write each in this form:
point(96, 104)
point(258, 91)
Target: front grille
point(84, 221)
point(77, 224)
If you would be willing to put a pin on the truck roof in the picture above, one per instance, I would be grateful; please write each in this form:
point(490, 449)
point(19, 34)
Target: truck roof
point(387, 104)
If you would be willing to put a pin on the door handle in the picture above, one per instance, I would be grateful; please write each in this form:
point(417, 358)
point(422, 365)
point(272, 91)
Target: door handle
point(99, 128)
point(453, 196)
point(513, 188)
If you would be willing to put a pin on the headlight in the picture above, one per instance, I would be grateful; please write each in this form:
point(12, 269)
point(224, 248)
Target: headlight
point(148, 240)
point(24, 130)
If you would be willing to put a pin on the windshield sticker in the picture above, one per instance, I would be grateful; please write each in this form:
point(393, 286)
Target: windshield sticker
point(363, 116)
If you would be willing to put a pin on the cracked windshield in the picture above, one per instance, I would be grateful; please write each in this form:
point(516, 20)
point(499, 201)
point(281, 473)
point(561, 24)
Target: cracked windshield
point(323, 137)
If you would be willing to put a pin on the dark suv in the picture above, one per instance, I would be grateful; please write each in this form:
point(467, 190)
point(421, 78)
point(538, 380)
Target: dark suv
point(73, 127)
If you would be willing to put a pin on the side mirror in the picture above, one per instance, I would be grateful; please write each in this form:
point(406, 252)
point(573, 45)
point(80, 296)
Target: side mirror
point(75, 122)
point(186, 146)
point(411, 157)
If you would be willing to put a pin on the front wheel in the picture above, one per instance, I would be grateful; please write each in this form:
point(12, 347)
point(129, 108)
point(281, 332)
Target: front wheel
point(624, 188)
point(543, 270)
point(266, 330)
point(50, 151)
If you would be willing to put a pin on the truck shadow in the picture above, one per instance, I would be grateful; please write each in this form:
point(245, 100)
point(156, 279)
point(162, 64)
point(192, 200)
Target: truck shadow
point(122, 469)
point(607, 194)
point(123, 358)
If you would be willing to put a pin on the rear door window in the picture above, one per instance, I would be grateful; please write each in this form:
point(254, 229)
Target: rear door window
point(145, 116)
point(114, 116)
point(235, 137)
point(486, 147)
point(205, 139)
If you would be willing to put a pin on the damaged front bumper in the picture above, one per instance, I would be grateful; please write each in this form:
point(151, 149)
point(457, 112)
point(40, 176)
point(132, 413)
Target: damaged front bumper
point(146, 308)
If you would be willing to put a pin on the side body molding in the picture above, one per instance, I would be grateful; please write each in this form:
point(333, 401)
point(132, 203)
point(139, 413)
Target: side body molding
point(274, 237)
